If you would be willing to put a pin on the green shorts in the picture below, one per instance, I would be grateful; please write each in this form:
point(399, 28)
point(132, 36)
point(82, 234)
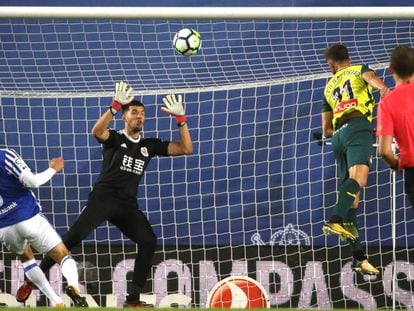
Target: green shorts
point(353, 144)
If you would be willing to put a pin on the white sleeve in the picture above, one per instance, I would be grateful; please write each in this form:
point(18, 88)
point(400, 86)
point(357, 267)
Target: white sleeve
point(15, 165)
point(30, 180)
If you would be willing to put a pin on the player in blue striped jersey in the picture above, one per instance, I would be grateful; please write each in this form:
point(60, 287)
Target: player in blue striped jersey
point(22, 225)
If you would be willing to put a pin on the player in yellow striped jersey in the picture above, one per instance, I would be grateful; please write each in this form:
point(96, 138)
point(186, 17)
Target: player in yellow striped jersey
point(347, 117)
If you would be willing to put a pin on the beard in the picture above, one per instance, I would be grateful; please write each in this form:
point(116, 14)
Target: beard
point(135, 126)
point(136, 129)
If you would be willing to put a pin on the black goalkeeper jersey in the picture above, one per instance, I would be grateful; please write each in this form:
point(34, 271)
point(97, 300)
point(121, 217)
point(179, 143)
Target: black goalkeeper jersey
point(124, 162)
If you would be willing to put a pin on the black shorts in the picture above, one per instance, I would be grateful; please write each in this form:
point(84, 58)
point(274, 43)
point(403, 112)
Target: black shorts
point(409, 184)
point(353, 144)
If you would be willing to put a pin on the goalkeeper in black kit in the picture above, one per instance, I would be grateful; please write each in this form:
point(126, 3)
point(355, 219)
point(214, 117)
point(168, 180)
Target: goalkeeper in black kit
point(126, 154)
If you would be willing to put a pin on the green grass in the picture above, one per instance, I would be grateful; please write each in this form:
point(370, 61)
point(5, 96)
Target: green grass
point(187, 309)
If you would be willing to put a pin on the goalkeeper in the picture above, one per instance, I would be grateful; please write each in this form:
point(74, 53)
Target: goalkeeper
point(346, 117)
point(126, 155)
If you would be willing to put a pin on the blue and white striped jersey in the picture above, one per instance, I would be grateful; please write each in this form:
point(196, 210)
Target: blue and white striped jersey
point(17, 202)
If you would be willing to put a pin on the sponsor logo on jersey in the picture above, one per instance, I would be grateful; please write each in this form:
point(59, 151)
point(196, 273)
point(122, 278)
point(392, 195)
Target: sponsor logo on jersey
point(20, 163)
point(144, 151)
point(8, 208)
point(342, 106)
point(132, 165)
point(124, 145)
point(238, 292)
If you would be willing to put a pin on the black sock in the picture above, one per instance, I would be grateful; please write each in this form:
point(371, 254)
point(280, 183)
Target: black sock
point(359, 255)
point(133, 292)
point(335, 219)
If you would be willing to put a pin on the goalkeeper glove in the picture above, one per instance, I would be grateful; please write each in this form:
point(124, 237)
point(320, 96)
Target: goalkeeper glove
point(174, 106)
point(122, 96)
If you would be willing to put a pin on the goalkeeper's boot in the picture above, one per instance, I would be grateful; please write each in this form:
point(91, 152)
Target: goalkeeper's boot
point(137, 304)
point(364, 267)
point(24, 291)
point(77, 299)
point(339, 230)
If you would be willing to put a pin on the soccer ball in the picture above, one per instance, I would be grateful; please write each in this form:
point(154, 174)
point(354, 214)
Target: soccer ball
point(187, 41)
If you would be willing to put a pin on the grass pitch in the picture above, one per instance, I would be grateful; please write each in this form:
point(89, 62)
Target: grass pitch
point(130, 309)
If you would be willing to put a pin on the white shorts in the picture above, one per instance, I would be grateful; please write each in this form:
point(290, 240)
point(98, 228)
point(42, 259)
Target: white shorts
point(36, 231)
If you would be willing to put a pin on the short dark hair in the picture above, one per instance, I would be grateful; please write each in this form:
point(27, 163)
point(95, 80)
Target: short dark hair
point(337, 52)
point(402, 61)
point(135, 102)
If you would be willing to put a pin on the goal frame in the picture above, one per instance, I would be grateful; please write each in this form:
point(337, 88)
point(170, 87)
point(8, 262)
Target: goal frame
point(396, 12)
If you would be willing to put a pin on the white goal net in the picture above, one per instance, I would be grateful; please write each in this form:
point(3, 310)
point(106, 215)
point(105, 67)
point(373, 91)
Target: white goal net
point(252, 198)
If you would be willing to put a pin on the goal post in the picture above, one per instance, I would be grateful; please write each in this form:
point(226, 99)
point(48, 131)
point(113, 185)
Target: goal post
point(252, 199)
point(176, 12)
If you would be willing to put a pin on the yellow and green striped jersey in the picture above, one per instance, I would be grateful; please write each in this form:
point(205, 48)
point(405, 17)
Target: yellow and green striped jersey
point(347, 91)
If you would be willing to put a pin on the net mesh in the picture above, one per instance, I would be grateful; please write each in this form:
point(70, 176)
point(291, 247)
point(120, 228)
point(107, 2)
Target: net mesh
point(252, 198)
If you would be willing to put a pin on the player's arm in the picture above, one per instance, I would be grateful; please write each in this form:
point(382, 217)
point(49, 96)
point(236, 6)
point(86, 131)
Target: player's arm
point(174, 106)
point(36, 180)
point(386, 152)
point(17, 167)
point(371, 78)
point(122, 97)
point(326, 118)
point(184, 145)
point(100, 129)
point(327, 127)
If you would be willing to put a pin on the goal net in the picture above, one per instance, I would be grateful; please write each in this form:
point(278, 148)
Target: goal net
point(251, 200)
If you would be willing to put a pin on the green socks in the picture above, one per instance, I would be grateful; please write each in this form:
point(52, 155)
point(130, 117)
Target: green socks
point(347, 194)
point(350, 224)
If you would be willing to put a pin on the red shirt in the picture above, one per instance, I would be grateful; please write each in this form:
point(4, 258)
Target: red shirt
point(396, 118)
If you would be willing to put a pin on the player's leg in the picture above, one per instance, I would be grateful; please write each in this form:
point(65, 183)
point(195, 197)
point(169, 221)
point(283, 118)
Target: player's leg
point(38, 278)
point(348, 197)
point(77, 232)
point(353, 151)
point(359, 154)
point(47, 241)
point(43, 237)
point(14, 238)
point(359, 173)
point(96, 211)
point(409, 184)
point(360, 262)
point(91, 217)
point(60, 255)
point(344, 201)
point(135, 226)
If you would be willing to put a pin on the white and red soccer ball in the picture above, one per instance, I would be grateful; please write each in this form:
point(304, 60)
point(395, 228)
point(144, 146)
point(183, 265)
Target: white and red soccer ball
point(239, 292)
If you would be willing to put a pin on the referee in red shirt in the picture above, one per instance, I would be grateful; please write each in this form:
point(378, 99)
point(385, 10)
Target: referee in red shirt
point(396, 118)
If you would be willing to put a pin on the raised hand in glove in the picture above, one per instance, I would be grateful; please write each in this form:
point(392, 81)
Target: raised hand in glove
point(174, 106)
point(122, 96)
